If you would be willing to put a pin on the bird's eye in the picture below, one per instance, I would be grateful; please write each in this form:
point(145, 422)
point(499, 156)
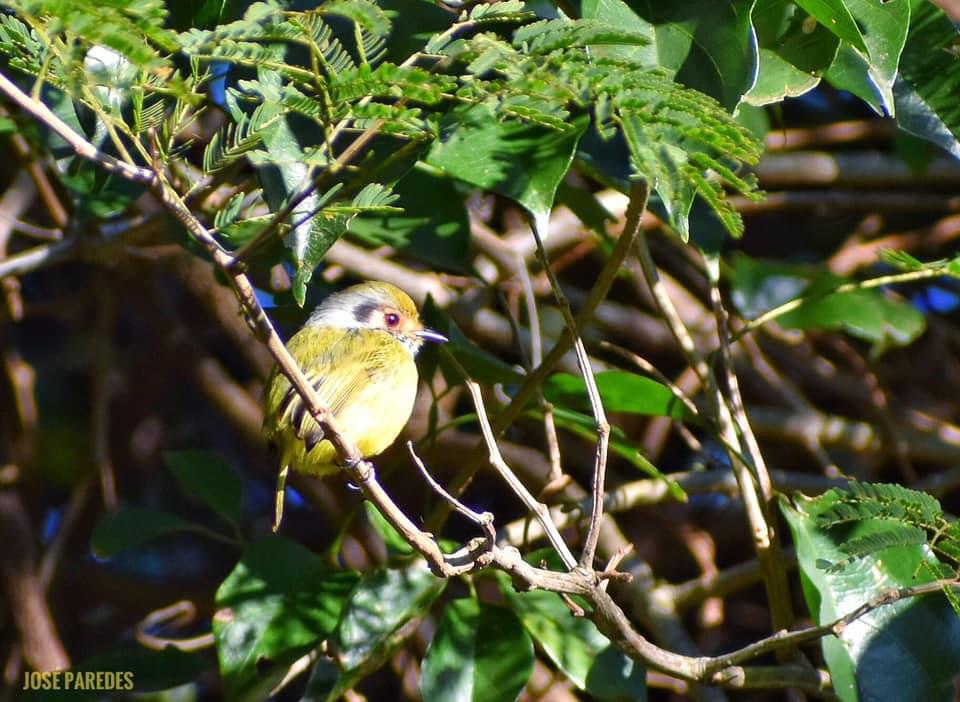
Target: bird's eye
point(392, 319)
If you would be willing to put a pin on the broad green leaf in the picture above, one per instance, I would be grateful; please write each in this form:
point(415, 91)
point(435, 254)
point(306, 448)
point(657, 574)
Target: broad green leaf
point(277, 603)
point(210, 478)
point(620, 14)
point(383, 609)
point(383, 600)
point(620, 391)
point(132, 526)
point(929, 81)
point(834, 15)
point(523, 161)
point(97, 194)
point(904, 651)
point(792, 58)
point(870, 76)
point(202, 14)
point(916, 152)
point(132, 668)
point(575, 646)
point(703, 44)
point(868, 314)
point(723, 58)
point(479, 653)
point(433, 226)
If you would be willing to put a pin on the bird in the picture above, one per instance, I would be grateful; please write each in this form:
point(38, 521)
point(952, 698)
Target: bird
point(357, 349)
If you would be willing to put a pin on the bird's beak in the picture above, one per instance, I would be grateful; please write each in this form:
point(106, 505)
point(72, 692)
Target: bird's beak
point(431, 335)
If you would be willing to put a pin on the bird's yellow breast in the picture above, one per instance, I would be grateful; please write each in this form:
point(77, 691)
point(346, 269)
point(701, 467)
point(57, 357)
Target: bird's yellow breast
point(366, 377)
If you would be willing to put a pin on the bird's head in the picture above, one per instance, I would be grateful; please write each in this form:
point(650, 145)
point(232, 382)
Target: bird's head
point(375, 305)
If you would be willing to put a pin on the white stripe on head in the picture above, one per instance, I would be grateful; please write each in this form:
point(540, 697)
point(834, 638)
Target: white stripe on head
point(345, 309)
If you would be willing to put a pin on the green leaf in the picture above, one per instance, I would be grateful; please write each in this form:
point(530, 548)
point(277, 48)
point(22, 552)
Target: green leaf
point(384, 609)
point(479, 653)
point(132, 526)
point(868, 314)
point(433, 226)
point(575, 646)
point(210, 478)
point(723, 57)
point(620, 14)
point(520, 160)
point(834, 15)
point(620, 391)
point(95, 193)
point(871, 75)
point(905, 650)
point(929, 80)
point(277, 603)
point(792, 58)
point(706, 45)
point(545, 36)
point(383, 600)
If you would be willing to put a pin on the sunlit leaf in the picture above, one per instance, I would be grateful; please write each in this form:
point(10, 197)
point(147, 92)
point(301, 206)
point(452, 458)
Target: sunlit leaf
point(904, 650)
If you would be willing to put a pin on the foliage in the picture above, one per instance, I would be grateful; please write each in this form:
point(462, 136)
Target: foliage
point(849, 542)
point(376, 130)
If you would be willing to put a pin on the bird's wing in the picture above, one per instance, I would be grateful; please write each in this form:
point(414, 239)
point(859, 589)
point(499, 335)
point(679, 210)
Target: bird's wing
point(339, 374)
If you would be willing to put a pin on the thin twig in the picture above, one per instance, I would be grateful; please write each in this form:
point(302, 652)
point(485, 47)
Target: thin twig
point(484, 520)
point(534, 381)
point(596, 406)
point(538, 509)
point(878, 282)
point(669, 312)
point(71, 516)
point(784, 638)
point(80, 146)
point(536, 357)
point(756, 488)
point(36, 257)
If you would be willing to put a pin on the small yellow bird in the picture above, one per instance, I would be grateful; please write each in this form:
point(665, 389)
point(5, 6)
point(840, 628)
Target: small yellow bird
point(357, 349)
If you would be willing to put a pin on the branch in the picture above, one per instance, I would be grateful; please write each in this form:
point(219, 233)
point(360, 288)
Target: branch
point(538, 509)
point(596, 406)
point(753, 479)
point(534, 381)
point(80, 146)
